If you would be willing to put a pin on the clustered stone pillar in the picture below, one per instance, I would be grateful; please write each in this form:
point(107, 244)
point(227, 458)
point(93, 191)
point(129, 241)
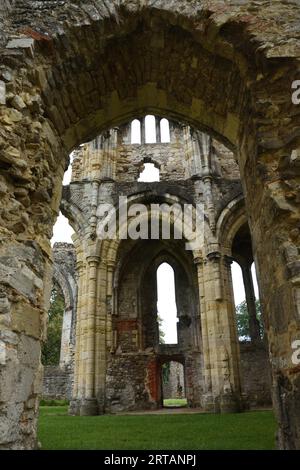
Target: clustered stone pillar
point(89, 403)
point(91, 330)
point(77, 392)
point(219, 335)
point(157, 129)
point(143, 132)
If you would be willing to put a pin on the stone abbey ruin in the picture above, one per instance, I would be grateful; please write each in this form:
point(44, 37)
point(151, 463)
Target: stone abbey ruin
point(74, 76)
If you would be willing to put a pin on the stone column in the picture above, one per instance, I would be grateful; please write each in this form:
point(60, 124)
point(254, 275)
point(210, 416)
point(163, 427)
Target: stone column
point(109, 300)
point(77, 387)
point(209, 201)
point(101, 328)
point(208, 400)
point(250, 300)
point(143, 131)
point(157, 129)
point(82, 338)
point(221, 357)
point(89, 403)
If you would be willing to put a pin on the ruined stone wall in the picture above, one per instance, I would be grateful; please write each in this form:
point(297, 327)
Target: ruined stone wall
point(57, 383)
point(170, 157)
point(131, 382)
point(138, 383)
point(5, 8)
point(112, 155)
point(133, 312)
point(225, 163)
point(256, 374)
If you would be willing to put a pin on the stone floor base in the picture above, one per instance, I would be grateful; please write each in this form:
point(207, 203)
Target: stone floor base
point(85, 407)
point(223, 404)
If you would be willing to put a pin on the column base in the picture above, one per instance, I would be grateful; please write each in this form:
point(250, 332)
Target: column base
point(230, 404)
point(222, 404)
point(211, 404)
point(245, 402)
point(74, 407)
point(89, 407)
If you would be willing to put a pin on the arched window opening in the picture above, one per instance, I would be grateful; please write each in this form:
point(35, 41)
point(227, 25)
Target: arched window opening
point(257, 302)
point(164, 131)
point(136, 132)
point(68, 172)
point(62, 231)
point(52, 347)
point(150, 129)
point(173, 384)
point(166, 305)
point(240, 302)
point(150, 174)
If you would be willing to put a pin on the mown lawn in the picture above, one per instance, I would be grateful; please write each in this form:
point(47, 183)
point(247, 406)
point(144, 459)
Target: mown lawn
point(251, 430)
point(178, 402)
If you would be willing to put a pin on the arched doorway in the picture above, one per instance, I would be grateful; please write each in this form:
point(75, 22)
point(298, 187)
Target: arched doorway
point(173, 385)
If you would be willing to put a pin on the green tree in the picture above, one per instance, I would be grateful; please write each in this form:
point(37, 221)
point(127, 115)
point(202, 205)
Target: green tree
point(51, 348)
point(166, 372)
point(242, 317)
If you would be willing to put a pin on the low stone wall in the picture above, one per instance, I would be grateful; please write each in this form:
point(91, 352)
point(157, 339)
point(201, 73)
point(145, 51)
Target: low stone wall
point(57, 383)
point(131, 383)
point(127, 372)
point(256, 374)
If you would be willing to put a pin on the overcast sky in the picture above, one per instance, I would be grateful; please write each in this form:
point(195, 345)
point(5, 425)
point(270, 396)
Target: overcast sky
point(62, 232)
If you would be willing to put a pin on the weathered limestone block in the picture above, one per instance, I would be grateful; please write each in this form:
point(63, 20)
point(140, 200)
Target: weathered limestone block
point(18, 103)
point(22, 365)
point(22, 43)
point(26, 319)
point(21, 278)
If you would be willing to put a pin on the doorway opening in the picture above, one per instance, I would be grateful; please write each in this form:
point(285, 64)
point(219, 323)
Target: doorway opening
point(173, 385)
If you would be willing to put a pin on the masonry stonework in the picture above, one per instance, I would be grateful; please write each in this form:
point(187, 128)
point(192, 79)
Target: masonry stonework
point(134, 362)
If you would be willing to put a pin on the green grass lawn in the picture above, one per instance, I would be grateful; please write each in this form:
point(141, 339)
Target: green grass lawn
point(251, 430)
point(178, 402)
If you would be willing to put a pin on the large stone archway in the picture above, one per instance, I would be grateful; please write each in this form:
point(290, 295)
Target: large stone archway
point(71, 71)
